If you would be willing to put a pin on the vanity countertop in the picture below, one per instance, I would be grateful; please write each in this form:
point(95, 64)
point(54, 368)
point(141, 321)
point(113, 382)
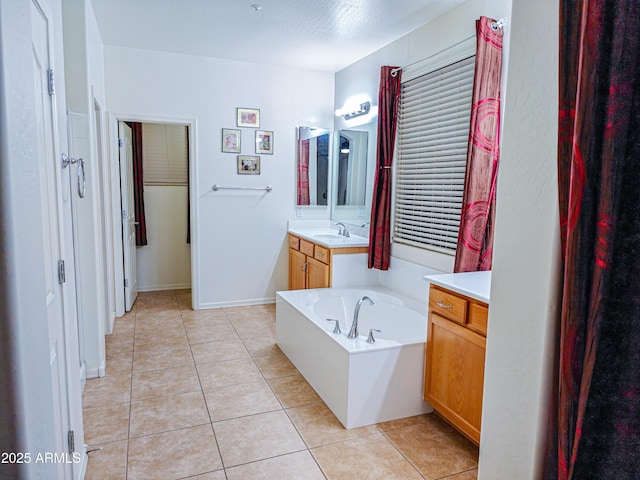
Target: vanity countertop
point(328, 237)
point(472, 284)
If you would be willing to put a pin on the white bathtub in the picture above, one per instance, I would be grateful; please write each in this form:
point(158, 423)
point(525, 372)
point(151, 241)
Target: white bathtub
point(361, 383)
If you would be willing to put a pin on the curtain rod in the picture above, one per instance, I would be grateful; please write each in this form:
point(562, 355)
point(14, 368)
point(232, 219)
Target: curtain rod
point(494, 25)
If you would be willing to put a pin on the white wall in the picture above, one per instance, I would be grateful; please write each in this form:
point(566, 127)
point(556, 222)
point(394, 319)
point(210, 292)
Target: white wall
point(524, 290)
point(84, 81)
point(239, 238)
point(105, 172)
point(165, 263)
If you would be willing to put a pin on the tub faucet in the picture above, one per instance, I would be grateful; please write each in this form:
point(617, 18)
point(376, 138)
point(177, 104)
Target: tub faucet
point(342, 229)
point(353, 333)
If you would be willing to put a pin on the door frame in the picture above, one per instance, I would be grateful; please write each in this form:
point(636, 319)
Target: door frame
point(64, 186)
point(99, 124)
point(116, 221)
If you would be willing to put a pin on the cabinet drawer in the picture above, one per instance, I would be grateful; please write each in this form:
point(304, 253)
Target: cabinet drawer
point(477, 321)
point(294, 242)
point(448, 305)
point(321, 254)
point(306, 247)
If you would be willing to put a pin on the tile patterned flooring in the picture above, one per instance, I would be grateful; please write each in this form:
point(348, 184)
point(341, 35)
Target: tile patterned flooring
point(207, 395)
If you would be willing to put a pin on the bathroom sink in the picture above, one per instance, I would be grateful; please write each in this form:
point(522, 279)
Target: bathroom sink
point(329, 236)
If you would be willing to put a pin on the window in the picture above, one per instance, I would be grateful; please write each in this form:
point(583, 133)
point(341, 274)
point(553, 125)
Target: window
point(433, 132)
point(165, 153)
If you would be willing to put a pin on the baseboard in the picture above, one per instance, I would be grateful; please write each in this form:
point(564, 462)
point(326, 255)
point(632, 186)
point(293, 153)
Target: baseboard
point(83, 376)
point(85, 463)
point(159, 288)
point(110, 323)
point(237, 303)
point(97, 372)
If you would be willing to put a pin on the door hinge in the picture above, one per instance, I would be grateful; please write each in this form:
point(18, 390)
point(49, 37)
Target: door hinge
point(71, 438)
point(126, 283)
point(120, 142)
point(123, 214)
point(51, 82)
point(62, 276)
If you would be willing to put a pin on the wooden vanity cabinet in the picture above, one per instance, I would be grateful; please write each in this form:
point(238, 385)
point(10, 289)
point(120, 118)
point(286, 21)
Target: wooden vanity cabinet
point(305, 270)
point(310, 263)
point(454, 365)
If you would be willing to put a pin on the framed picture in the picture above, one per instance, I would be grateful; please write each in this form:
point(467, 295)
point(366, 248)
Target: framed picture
point(248, 165)
point(230, 140)
point(248, 117)
point(264, 142)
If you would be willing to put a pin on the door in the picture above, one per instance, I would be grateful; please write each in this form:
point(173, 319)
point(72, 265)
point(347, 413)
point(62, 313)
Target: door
point(454, 376)
point(128, 215)
point(317, 274)
point(297, 270)
point(58, 253)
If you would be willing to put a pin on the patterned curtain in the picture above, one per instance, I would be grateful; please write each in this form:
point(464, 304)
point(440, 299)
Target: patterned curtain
point(380, 226)
point(303, 173)
point(475, 238)
point(597, 430)
point(138, 185)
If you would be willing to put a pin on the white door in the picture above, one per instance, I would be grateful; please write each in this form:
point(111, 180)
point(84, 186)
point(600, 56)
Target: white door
point(128, 215)
point(56, 220)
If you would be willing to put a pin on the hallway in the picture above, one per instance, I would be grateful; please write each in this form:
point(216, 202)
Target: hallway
point(208, 395)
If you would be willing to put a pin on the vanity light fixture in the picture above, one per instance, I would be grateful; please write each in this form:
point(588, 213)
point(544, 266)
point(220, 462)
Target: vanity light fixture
point(362, 109)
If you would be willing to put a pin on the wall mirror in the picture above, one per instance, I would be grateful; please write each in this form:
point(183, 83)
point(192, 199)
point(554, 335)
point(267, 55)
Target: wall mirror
point(353, 173)
point(312, 166)
point(351, 168)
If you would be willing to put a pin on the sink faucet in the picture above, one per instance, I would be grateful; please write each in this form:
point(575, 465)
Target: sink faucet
point(342, 229)
point(353, 333)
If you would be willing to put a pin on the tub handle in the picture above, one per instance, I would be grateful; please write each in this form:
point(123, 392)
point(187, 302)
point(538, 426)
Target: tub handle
point(370, 339)
point(336, 329)
point(442, 305)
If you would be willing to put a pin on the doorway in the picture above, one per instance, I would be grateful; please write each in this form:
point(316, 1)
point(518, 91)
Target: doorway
point(158, 256)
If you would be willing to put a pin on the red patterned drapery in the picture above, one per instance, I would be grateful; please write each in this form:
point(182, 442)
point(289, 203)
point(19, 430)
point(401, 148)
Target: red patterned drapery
point(303, 173)
point(380, 226)
point(138, 185)
point(475, 238)
point(596, 434)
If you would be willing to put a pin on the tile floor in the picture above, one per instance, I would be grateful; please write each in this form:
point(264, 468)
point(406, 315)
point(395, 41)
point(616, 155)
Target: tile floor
point(208, 395)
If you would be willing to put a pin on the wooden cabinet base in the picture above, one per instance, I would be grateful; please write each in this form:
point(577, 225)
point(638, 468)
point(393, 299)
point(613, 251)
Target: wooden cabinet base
point(310, 264)
point(454, 368)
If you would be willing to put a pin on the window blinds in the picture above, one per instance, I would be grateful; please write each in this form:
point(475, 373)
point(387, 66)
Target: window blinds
point(433, 132)
point(165, 153)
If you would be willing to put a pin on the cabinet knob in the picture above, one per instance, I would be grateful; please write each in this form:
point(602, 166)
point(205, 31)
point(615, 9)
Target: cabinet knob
point(442, 305)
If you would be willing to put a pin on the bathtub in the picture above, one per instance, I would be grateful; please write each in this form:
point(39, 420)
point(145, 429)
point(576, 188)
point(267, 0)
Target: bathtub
point(362, 383)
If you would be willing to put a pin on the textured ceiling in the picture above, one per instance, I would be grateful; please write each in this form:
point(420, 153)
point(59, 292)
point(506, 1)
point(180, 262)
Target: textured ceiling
point(324, 35)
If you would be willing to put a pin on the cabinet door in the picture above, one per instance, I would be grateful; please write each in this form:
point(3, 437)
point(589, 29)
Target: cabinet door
point(297, 270)
point(317, 274)
point(454, 374)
